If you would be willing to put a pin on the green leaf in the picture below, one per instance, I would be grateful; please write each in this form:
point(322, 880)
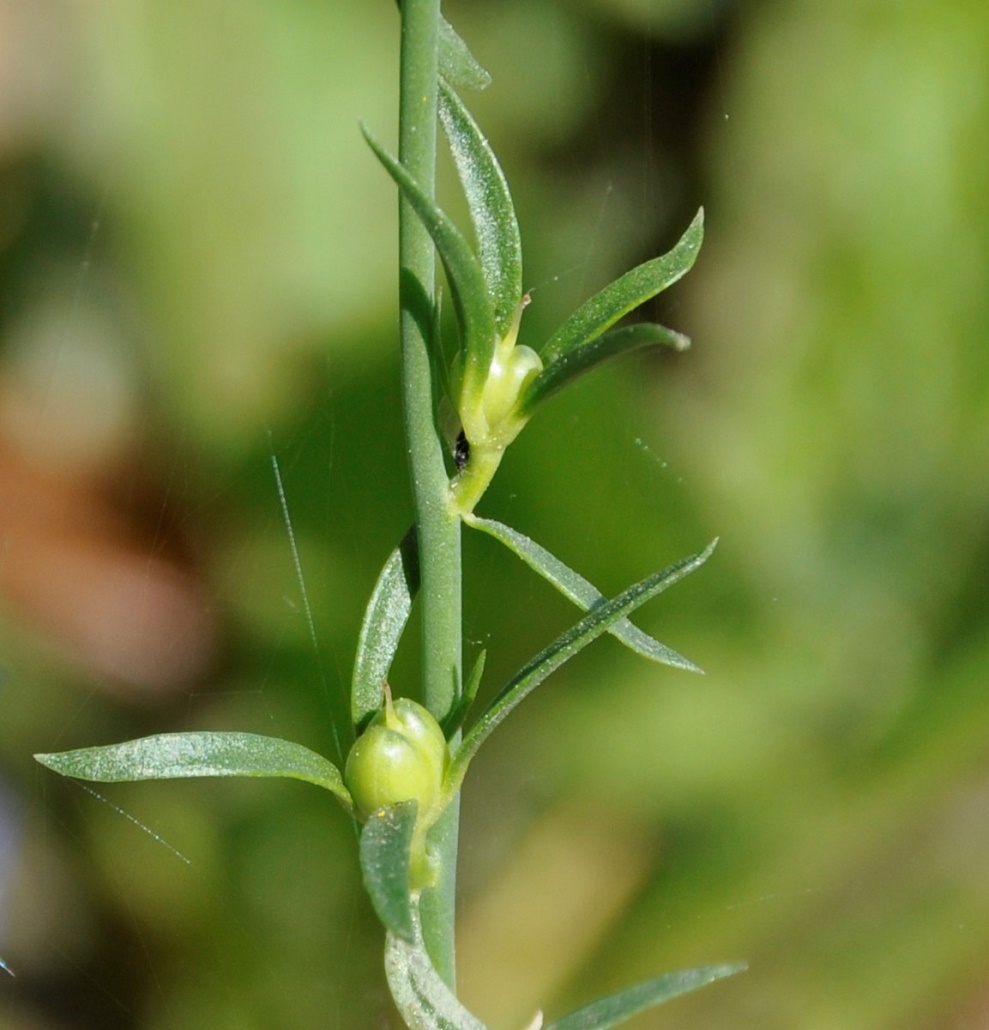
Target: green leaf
point(621, 1006)
point(423, 999)
point(577, 589)
point(384, 622)
point(491, 210)
point(385, 846)
point(457, 64)
point(172, 756)
point(597, 621)
point(582, 358)
point(470, 295)
point(601, 312)
point(455, 719)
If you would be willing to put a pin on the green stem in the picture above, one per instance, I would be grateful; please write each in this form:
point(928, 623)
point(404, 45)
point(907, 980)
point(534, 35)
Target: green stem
point(438, 527)
point(470, 485)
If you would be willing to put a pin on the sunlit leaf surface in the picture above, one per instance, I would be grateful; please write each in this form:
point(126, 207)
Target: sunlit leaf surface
point(616, 1008)
point(384, 853)
point(170, 756)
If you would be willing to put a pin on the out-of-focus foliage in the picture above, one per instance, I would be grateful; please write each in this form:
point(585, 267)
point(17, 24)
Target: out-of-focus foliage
point(197, 273)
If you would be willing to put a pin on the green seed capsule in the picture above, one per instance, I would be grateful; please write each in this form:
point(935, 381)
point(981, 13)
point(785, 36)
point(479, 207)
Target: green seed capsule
point(513, 366)
point(401, 756)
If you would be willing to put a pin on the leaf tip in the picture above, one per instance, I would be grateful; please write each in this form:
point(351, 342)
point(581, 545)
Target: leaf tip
point(708, 551)
point(696, 226)
point(54, 761)
point(370, 138)
point(727, 969)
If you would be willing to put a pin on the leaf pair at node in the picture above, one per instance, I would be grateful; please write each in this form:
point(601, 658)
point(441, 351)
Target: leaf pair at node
point(425, 1001)
point(497, 382)
point(221, 754)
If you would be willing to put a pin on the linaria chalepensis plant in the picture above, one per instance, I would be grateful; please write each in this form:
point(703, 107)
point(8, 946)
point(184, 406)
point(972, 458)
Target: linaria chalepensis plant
point(403, 775)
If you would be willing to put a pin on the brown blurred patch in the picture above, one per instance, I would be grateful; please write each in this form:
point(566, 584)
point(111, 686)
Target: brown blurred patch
point(110, 590)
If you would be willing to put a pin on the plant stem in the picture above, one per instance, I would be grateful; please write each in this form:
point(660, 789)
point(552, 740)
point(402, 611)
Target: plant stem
point(438, 527)
point(469, 486)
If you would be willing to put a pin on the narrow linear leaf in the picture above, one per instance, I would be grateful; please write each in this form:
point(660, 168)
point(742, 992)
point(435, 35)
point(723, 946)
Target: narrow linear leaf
point(601, 312)
point(474, 679)
point(172, 756)
point(597, 621)
point(583, 357)
point(385, 844)
point(6, 968)
point(621, 1006)
point(455, 719)
point(457, 64)
point(492, 212)
point(423, 999)
point(470, 295)
point(575, 588)
point(384, 622)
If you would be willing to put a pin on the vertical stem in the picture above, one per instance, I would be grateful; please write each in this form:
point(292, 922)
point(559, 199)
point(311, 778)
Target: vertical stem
point(438, 528)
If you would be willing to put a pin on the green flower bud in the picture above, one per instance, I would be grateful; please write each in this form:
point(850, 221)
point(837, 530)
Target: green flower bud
point(512, 368)
point(489, 411)
point(401, 756)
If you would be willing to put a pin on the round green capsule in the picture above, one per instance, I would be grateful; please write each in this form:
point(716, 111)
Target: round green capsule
point(401, 756)
point(512, 368)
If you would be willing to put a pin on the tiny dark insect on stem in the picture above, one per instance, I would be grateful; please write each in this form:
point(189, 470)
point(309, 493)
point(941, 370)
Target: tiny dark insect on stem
point(461, 452)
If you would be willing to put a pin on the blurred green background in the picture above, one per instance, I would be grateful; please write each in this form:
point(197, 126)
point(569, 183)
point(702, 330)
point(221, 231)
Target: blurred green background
point(197, 276)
